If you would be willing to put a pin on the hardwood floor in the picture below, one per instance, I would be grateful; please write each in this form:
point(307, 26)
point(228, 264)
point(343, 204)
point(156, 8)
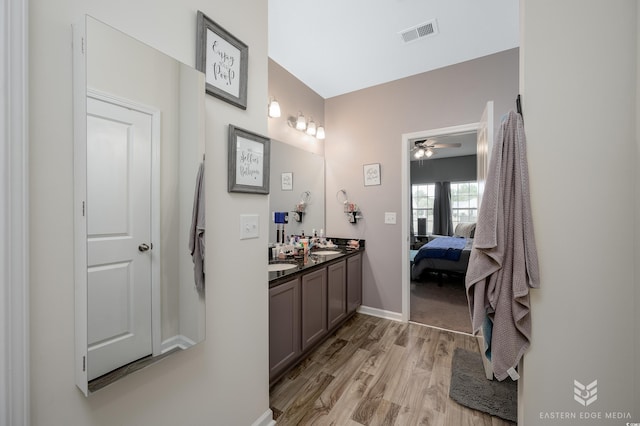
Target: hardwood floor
point(374, 371)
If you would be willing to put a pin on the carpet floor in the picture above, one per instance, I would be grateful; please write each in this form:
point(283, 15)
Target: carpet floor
point(440, 301)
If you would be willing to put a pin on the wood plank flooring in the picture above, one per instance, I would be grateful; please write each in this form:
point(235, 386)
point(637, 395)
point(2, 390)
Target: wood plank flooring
point(374, 371)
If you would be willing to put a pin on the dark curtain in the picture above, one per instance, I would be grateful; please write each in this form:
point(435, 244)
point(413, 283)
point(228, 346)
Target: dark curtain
point(442, 220)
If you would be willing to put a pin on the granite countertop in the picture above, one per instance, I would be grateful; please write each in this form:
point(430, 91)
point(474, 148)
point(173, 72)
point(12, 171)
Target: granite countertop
point(315, 261)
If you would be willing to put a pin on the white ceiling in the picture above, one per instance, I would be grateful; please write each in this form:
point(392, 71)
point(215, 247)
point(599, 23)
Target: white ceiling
point(339, 46)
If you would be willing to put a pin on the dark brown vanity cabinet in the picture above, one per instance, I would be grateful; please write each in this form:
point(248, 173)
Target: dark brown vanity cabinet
point(304, 309)
point(313, 292)
point(336, 293)
point(284, 325)
point(354, 282)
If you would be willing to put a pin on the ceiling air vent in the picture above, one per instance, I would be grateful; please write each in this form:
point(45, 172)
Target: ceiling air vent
point(419, 31)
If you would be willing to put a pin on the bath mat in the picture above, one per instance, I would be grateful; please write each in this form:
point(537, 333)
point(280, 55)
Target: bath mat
point(470, 387)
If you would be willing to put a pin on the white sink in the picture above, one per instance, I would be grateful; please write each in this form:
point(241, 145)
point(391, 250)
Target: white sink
point(326, 252)
point(273, 267)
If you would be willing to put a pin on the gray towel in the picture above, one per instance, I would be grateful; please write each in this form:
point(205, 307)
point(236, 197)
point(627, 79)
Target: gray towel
point(196, 233)
point(504, 263)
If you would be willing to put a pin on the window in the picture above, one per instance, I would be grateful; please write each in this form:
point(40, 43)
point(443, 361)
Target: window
point(464, 202)
point(422, 197)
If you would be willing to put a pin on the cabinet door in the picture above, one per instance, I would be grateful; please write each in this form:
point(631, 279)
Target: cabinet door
point(314, 307)
point(354, 282)
point(284, 325)
point(336, 293)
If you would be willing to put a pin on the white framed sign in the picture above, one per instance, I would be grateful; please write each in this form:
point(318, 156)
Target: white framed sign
point(371, 174)
point(286, 181)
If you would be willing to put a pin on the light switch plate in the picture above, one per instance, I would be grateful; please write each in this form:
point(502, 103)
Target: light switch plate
point(249, 226)
point(390, 218)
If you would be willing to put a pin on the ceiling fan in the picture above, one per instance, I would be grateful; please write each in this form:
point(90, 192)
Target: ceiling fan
point(427, 147)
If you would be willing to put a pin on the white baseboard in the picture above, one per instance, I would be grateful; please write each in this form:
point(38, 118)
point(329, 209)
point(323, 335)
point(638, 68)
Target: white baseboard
point(177, 341)
point(380, 313)
point(265, 420)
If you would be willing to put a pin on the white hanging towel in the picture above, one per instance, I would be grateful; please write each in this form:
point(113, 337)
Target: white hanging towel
point(504, 263)
point(196, 233)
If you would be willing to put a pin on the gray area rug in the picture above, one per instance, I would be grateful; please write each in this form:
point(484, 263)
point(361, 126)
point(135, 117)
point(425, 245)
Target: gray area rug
point(470, 387)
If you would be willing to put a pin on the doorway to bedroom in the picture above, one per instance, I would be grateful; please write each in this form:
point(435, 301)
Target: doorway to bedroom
point(444, 197)
point(443, 191)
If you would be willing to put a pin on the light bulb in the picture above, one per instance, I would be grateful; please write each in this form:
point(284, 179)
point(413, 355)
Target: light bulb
point(428, 152)
point(419, 153)
point(320, 132)
point(301, 123)
point(311, 128)
point(274, 109)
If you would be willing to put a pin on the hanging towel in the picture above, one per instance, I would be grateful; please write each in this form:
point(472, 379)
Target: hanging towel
point(196, 233)
point(504, 263)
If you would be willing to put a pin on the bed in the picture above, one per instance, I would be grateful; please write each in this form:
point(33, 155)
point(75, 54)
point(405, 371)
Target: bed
point(444, 254)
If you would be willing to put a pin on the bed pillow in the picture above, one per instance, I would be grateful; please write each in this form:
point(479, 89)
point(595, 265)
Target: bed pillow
point(465, 230)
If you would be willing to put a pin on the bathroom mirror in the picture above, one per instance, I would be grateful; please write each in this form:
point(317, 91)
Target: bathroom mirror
point(296, 175)
point(138, 149)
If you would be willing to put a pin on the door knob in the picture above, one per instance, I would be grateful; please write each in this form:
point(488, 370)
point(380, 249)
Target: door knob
point(143, 247)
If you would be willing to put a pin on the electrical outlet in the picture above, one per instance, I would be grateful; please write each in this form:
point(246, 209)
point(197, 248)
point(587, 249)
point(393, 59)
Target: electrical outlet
point(390, 218)
point(249, 226)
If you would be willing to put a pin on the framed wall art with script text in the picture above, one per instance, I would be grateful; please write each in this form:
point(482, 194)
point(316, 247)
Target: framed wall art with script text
point(224, 60)
point(249, 157)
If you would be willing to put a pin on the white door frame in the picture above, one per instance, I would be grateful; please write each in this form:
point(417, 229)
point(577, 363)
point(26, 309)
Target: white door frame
point(80, 193)
point(14, 226)
point(405, 168)
point(14, 214)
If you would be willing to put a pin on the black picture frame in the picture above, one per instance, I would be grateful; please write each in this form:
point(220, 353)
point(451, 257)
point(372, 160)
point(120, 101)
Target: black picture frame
point(249, 161)
point(224, 60)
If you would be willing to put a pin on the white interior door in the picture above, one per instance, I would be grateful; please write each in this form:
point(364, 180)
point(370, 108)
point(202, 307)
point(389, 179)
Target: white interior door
point(484, 139)
point(118, 236)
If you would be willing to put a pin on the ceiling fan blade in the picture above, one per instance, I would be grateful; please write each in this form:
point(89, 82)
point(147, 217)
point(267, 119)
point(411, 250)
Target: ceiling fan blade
point(446, 145)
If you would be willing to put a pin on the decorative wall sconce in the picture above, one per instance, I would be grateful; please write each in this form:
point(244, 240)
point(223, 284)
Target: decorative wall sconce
point(274, 108)
point(301, 206)
point(350, 209)
point(309, 127)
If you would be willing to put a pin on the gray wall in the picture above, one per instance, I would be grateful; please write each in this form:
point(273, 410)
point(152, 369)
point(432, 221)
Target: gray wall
point(584, 326)
point(452, 169)
point(366, 126)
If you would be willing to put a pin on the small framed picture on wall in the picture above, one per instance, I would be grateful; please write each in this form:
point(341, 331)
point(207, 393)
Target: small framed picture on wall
point(371, 174)
point(286, 181)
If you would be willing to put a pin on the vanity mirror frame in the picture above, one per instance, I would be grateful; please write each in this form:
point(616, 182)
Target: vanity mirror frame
point(163, 279)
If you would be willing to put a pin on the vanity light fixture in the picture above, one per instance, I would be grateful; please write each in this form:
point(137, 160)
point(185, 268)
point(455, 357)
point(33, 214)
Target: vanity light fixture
point(274, 108)
point(309, 127)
